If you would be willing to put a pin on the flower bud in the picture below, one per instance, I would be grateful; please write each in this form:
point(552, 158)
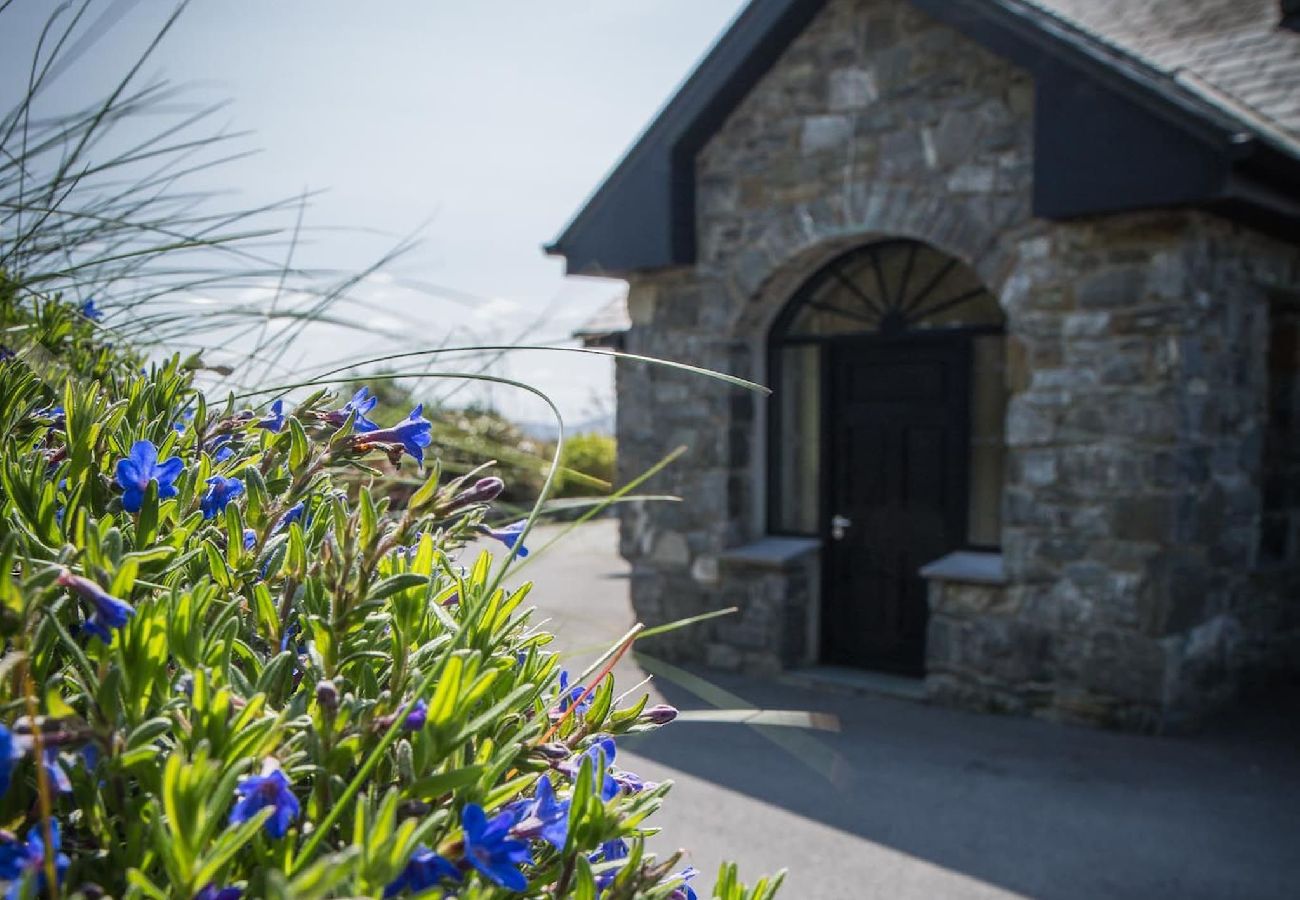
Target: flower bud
point(327, 695)
point(660, 714)
point(555, 750)
point(485, 490)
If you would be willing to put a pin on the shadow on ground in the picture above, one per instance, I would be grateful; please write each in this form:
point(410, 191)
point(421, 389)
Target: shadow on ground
point(1037, 809)
point(913, 801)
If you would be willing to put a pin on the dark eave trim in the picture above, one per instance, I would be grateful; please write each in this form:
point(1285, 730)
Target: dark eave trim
point(642, 216)
point(656, 176)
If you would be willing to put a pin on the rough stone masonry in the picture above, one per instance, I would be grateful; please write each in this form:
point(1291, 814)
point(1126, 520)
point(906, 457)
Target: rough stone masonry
point(1150, 532)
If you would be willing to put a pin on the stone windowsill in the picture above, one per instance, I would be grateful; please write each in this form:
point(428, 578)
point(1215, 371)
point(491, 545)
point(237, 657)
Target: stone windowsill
point(968, 567)
point(771, 552)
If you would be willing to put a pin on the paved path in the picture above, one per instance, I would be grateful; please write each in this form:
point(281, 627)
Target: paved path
point(911, 801)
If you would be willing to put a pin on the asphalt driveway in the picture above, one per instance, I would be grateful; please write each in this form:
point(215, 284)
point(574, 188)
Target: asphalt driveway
point(905, 800)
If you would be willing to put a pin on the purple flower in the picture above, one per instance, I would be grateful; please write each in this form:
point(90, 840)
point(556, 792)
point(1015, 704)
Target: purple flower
point(415, 719)
point(141, 467)
point(6, 353)
point(490, 849)
point(361, 403)
point(212, 892)
point(423, 871)
point(271, 789)
point(91, 312)
point(22, 861)
point(485, 490)
point(220, 492)
point(274, 420)
point(412, 433)
point(545, 816)
point(660, 714)
point(631, 782)
point(509, 535)
point(109, 613)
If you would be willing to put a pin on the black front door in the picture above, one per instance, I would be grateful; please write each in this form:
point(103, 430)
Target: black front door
point(896, 485)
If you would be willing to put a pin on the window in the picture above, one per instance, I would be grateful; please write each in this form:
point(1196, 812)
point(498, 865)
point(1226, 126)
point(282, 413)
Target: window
point(882, 292)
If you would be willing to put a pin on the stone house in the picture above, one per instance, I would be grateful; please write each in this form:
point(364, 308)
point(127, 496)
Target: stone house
point(1024, 278)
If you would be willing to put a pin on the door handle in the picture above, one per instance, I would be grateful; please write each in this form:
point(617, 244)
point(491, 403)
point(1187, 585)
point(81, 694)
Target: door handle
point(840, 526)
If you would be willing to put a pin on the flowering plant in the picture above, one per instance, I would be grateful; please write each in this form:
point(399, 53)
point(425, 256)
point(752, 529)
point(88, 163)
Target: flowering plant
point(229, 671)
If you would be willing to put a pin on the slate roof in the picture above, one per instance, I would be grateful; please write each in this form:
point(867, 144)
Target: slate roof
point(1230, 53)
point(609, 321)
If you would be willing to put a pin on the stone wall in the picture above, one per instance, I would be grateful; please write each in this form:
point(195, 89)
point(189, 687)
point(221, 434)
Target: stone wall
point(1137, 428)
point(1134, 499)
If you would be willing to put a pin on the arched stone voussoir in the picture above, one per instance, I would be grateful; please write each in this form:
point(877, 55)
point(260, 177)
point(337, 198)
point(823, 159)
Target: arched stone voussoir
point(796, 244)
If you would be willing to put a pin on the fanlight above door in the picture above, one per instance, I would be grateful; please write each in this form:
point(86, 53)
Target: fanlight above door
point(888, 288)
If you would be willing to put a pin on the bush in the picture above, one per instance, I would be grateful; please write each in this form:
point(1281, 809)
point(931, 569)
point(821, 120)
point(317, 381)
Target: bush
point(226, 676)
point(587, 462)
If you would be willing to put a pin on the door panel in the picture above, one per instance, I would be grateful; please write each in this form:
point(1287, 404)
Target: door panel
point(897, 422)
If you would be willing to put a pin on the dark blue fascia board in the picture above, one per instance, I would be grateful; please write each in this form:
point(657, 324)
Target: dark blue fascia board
point(643, 215)
point(1110, 136)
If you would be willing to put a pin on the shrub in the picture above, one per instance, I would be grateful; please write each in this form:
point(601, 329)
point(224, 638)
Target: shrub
point(225, 675)
point(587, 465)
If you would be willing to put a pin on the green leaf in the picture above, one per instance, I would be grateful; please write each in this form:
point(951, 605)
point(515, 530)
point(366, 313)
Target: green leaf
point(394, 583)
point(432, 787)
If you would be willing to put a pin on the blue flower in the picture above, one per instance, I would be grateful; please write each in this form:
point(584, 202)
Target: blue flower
point(220, 492)
point(139, 468)
point(509, 535)
point(361, 403)
point(7, 353)
point(412, 433)
point(416, 718)
point(291, 515)
point(54, 413)
point(423, 871)
point(22, 861)
point(212, 892)
point(250, 538)
point(221, 447)
point(274, 420)
point(270, 788)
point(91, 312)
point(631, 782)
point(684, 891)
point(546, 816)
point(109, 613)
point(9, 751)
point(610, 851)
point(490, 849)
point(186, 416)
point(59, 779)
point(601, 753)
point(571, 695)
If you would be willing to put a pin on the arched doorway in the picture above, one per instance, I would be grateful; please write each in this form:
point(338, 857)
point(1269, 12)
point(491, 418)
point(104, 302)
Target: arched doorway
point(886, 437)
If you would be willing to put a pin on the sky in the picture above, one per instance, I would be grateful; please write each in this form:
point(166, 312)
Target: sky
point(482, 126)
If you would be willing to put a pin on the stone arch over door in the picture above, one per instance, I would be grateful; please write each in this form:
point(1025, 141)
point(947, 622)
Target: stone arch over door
point(885, 437)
